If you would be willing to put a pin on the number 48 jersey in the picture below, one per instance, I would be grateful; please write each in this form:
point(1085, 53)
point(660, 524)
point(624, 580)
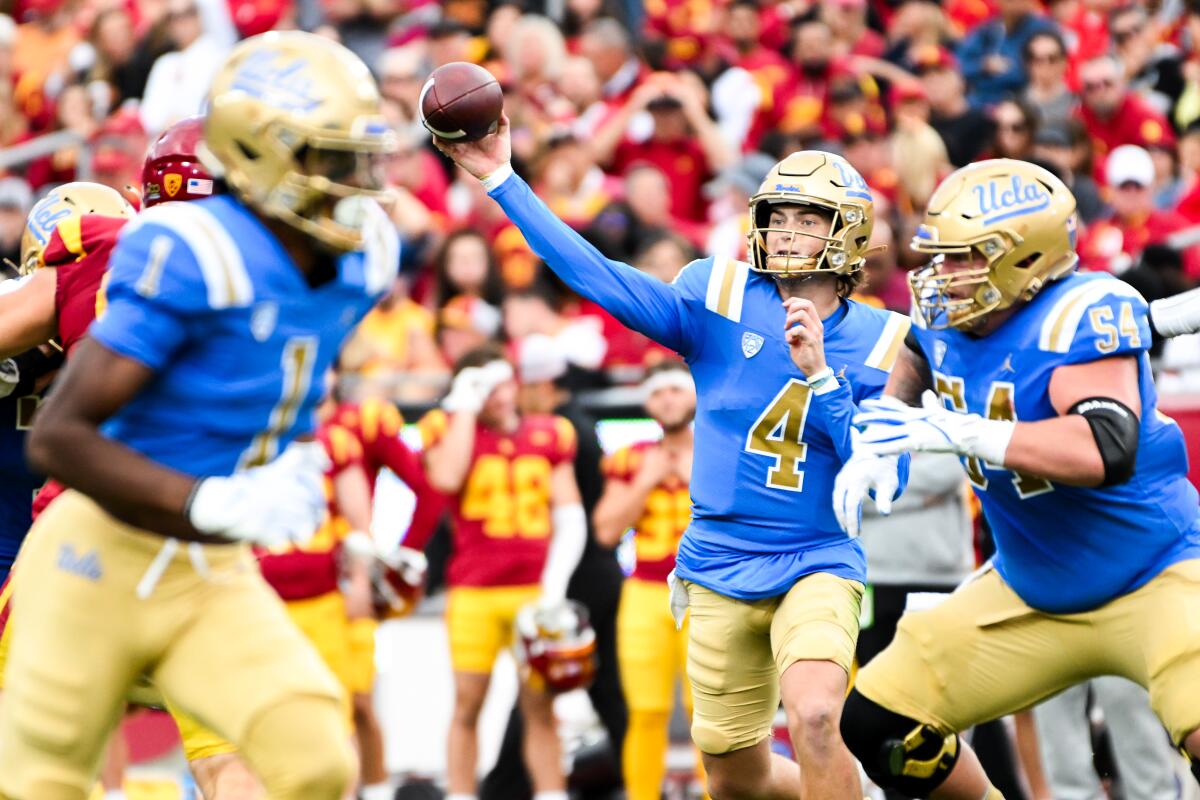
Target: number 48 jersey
point(1067, 549)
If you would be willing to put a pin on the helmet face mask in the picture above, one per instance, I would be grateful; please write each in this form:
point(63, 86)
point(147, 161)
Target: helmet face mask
point(998, 231)
point(295, 128)
point(820, 183)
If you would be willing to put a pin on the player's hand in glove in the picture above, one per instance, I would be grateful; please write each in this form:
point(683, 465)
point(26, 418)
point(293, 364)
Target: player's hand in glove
point(1177, 315)
point(678, 599)
point(280, 502)
point(473, 385)
point(862, 475)
point(890, 427)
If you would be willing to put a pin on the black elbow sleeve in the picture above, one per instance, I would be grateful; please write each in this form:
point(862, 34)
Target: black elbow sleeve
point(1116, 429)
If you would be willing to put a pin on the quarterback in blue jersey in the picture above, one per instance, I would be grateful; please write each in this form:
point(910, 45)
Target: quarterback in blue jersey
point(1038, 377)
point(781, 360)
point(183, 428)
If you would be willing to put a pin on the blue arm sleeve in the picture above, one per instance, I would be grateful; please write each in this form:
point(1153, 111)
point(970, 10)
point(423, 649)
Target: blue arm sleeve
point(835, 410)
point(643, 303)
point(153, 290)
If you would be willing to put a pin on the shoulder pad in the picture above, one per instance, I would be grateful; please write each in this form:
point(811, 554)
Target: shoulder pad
point(890, 339)
point(1094, 301)
point(196, 229)
point(726, 287)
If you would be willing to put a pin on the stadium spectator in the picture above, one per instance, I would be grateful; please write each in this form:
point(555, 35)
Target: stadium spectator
point(1059, 148)
point(401, 71)
point(1152, 66)
point(393, 353)
point(919, 154)
point(16, 198)
point(466, 267)
point(730, 193)
point(609, 47)
point(1045, 57)
point(916, 27)
point(537, 310)
point(179, 80)
point(991, 53)
point(42, 47)
point(965, 130)
point(1116, 243)
point(847, 21)
point(123, 60)
point(569, 181)
point(620, 229)
point(885, 284)
point(1114, 115)
point(684, 142)
point(1016, 127)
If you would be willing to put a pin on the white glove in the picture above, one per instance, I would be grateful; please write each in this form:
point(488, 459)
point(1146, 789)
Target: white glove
point(277, 503)
point(473, 385)
point(890, 427)
point(1176, 316)
point(858, 477)
point(678, 599)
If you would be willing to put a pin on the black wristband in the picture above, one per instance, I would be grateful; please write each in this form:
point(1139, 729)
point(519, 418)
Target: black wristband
point(34, 364)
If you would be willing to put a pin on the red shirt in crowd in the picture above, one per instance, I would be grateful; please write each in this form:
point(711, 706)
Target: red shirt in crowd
point(682, 161)
point(1133, 122)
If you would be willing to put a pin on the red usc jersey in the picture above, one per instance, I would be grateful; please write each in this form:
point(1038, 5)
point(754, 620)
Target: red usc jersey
point(502, 522)
point(308, 570)
point(79, 249)
point(376, 424)
point(666, 516)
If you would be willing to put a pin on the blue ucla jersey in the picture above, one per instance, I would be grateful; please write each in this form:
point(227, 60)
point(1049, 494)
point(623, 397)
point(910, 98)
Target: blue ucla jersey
point(767, 449)
point(1066, 549)
point(203, 294)
point(17, 484)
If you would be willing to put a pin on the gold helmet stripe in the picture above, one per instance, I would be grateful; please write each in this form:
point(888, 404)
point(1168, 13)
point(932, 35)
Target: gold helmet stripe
point(887, 348)
point(727, 287)
point(1060, 325)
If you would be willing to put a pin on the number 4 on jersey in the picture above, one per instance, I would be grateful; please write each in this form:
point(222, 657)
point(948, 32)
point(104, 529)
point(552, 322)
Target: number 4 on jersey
point(778, 433)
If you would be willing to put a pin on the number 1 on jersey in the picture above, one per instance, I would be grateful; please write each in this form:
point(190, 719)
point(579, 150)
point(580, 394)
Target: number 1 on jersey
point(778, 433)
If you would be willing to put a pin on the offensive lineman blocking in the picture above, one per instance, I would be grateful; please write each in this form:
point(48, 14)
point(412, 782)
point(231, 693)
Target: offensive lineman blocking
point(1038, 377)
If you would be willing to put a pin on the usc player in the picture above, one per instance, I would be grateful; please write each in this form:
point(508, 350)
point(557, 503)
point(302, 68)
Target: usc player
point(376, 425)
point(519, 530)
point(646, 488)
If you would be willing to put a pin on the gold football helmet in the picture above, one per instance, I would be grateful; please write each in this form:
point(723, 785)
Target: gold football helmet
point(62, 203)
point(827, 183)
point(294, 126)
point(1014, 218)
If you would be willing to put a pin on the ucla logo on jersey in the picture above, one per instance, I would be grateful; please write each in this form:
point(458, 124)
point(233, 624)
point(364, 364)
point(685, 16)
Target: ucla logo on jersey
point(1000, 200)
point(263, 319)
point(939, 352)
point(285, 85)
point(86, 565)
point(751, 344)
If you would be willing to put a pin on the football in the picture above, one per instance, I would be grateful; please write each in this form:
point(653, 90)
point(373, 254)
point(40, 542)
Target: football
point(461, 102)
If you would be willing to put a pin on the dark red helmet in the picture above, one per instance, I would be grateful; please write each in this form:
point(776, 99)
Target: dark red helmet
point(172, 170)
point(556, 646)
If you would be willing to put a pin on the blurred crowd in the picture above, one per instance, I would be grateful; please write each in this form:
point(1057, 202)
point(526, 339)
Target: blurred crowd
point(647, 127)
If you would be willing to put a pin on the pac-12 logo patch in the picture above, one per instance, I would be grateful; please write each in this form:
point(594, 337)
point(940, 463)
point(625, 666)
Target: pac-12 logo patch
point(939, 352)
point(751, 344)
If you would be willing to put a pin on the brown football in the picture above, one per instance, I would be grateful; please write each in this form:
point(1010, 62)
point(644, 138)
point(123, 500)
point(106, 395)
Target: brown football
point(461, 102)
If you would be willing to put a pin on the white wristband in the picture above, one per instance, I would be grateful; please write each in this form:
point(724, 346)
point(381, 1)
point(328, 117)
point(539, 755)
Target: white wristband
point(494, 181)
point(823, 381)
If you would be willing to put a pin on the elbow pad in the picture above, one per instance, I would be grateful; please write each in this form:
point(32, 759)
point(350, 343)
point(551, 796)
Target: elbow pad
point(1116, 430)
